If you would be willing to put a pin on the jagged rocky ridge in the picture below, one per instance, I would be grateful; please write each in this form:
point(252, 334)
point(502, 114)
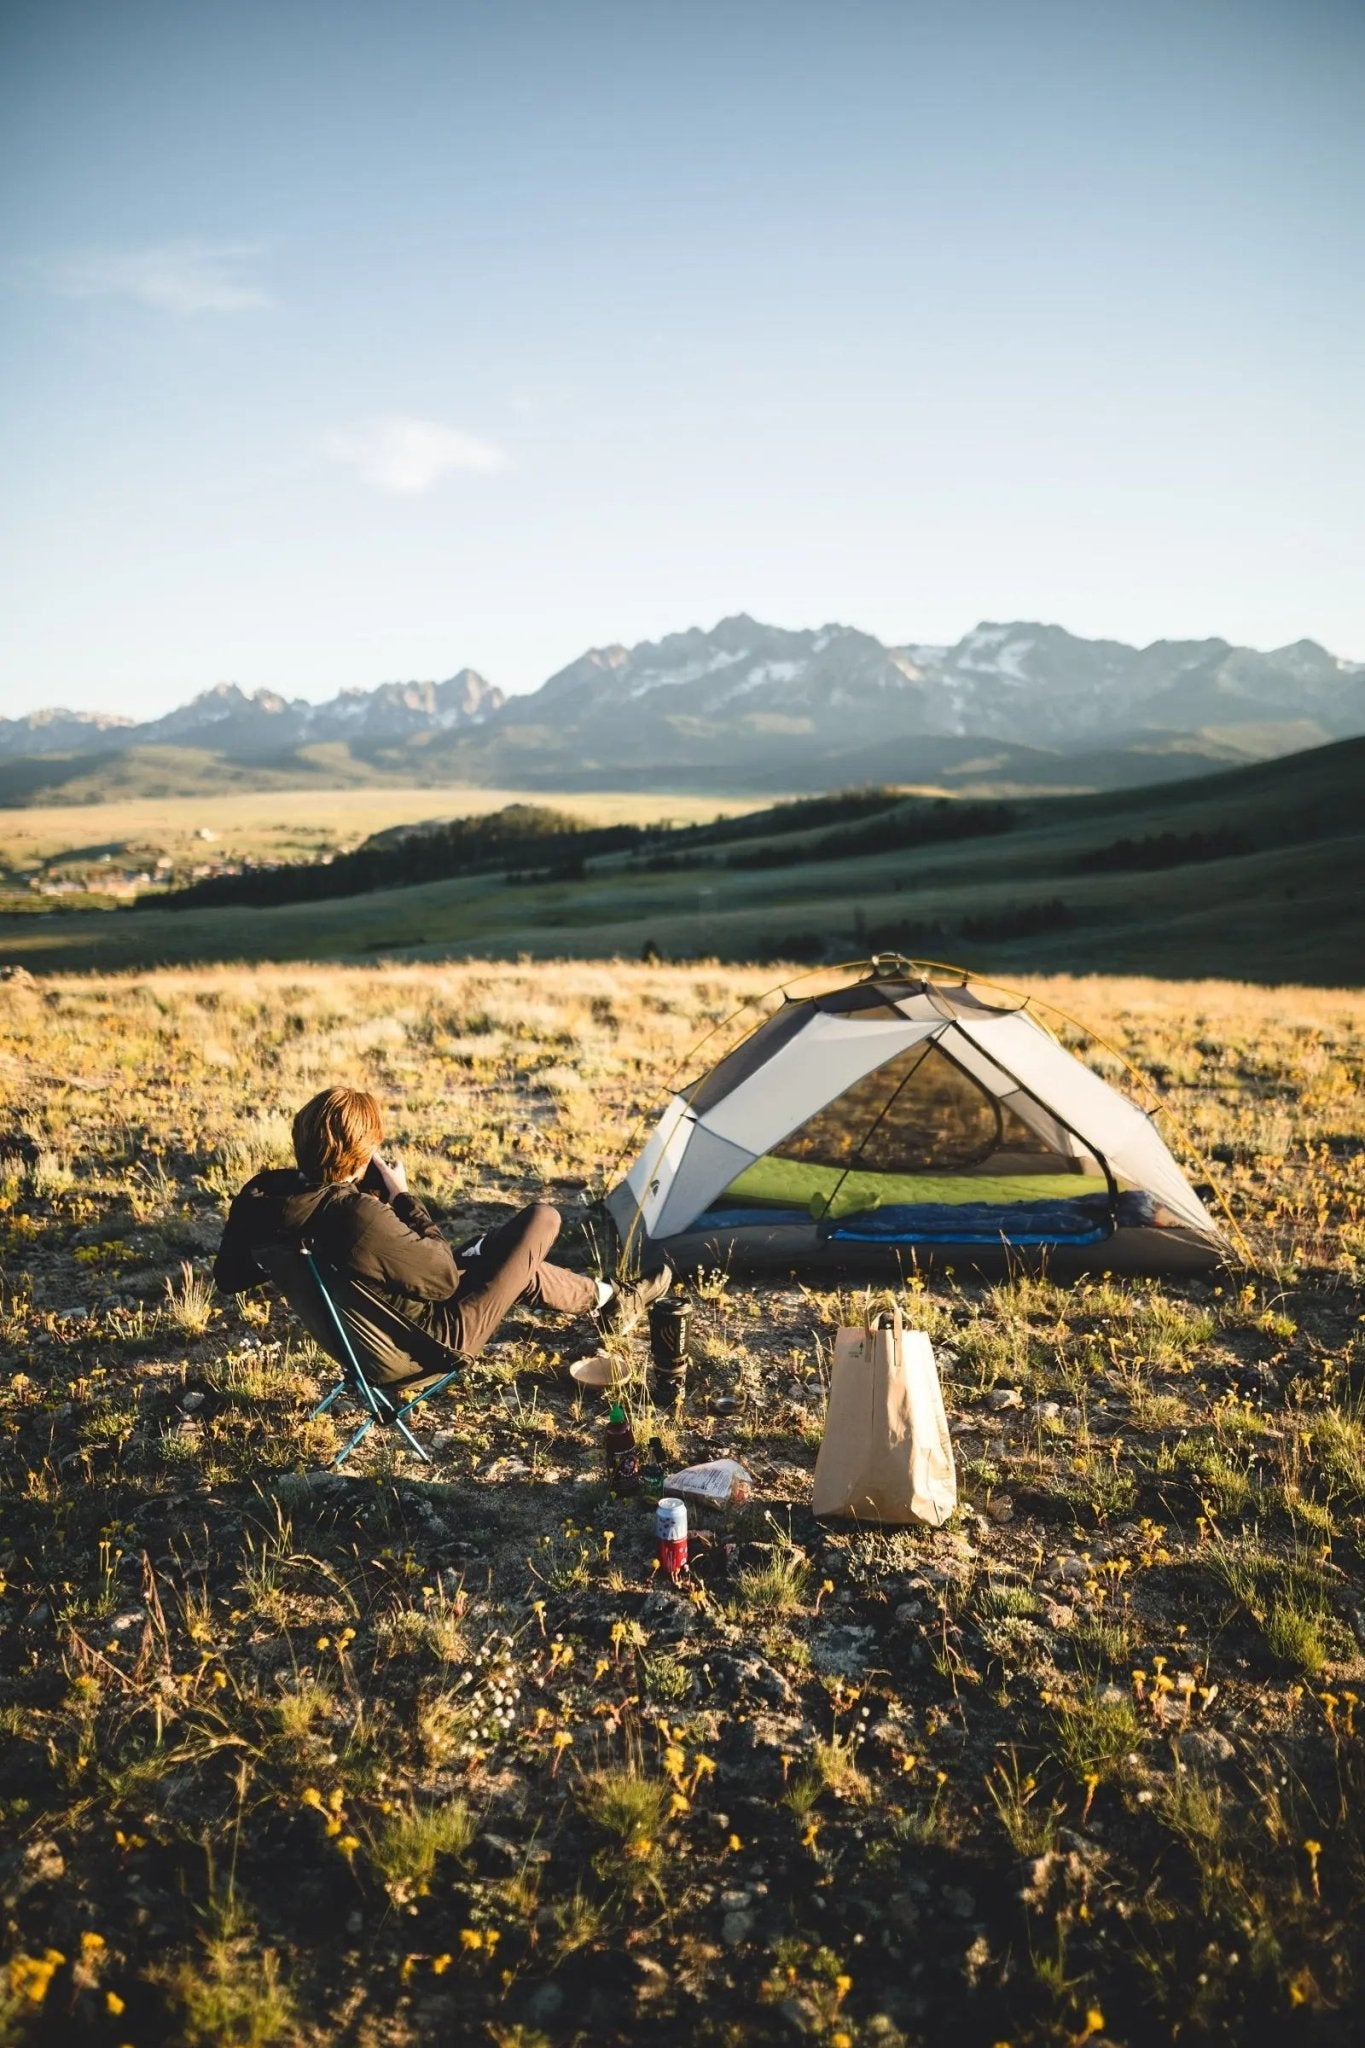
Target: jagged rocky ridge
point(764, 703)
point(260, 722)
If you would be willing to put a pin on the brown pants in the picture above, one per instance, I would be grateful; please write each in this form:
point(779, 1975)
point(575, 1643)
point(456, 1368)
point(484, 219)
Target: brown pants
point(512, 1266)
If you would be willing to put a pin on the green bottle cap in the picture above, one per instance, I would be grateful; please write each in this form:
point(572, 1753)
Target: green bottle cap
point(616, 1413)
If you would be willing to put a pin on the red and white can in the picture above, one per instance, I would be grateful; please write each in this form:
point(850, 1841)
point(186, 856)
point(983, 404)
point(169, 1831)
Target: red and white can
point(670, 1528)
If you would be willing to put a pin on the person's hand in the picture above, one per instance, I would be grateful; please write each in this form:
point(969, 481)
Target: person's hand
point(386, 1178)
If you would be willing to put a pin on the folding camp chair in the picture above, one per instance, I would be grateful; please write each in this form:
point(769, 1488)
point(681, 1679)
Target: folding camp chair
point(313, 1298)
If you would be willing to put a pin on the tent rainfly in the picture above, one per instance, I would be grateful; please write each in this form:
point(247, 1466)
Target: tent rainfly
point(899, 1122)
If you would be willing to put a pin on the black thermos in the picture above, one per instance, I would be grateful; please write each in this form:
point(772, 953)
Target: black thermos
point(668, 1321)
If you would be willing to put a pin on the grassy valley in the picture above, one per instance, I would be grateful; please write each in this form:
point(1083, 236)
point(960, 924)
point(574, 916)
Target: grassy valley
point(1250, 873)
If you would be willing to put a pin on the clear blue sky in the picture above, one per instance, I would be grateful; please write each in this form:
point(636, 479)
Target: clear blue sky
point(344, 341)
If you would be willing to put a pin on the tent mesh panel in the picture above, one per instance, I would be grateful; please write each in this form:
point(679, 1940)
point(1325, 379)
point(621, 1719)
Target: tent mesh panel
point(917, 1112)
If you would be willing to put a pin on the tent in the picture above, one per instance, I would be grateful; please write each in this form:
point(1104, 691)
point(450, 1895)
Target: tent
point(899, 1121)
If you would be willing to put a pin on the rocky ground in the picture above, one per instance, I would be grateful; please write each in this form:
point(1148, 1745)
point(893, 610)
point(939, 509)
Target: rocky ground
point(403, 1754)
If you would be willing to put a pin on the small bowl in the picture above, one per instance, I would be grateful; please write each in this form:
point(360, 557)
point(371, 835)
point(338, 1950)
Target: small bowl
point(598, 1371)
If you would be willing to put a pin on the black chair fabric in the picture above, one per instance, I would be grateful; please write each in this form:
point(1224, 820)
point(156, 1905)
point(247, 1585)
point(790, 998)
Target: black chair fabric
point(391, 1350)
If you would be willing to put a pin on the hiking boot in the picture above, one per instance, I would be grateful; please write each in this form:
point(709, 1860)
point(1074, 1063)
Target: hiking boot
point(632, 1302)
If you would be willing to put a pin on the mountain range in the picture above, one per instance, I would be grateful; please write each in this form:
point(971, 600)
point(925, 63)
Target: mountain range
point(741, 705)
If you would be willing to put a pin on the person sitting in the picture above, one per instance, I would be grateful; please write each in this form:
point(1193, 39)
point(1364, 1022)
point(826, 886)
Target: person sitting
point(416, 1298)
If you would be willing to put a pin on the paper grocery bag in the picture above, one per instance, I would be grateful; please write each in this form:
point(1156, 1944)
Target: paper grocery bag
point(886, 1455)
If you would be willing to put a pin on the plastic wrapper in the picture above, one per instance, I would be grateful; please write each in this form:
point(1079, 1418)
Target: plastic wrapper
point(721, 1483)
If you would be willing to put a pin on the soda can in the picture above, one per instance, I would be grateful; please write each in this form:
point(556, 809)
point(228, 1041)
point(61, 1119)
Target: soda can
point(670, 1528)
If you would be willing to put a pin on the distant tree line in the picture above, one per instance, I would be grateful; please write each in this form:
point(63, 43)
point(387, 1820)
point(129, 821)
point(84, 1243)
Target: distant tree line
point(532, 843)
point(1167, 850)
point(799, 814)
point(465, 846)
point(932, 939)
point(943, 820)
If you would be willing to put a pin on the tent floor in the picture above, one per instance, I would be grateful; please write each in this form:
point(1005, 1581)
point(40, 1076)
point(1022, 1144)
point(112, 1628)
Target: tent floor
point(766, 1252)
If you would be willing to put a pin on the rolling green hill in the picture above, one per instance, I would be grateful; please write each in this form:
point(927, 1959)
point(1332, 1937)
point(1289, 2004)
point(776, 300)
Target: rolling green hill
point(1253, 873)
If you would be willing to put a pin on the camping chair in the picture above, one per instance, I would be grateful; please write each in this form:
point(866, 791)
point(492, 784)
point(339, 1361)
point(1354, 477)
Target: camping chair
point(358, 1330)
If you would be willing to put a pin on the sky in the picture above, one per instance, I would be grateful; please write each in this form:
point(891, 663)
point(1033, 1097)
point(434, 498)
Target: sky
point(346, 342)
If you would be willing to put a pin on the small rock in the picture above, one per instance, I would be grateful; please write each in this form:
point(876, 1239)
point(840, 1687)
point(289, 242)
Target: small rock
point(1005, 1397)
point(1207, 1746)
point(736, 1902)
point(355, 1922)
point(844, 1651)
point(122, 1622)
point(669, 1615)
point(444, 1440)
point(908, 1613)
point(802, 2015)
point(1046, 1411)
point(40, 1863)
point(500, 1851)
point(959, 1901)
point(272, 1653)
point(1080, 1845)
point(1000, 1508)
point(192, 1401)
point(753, 1675)
point(736, 1928)
point(752, 1758)
point(544, 2004)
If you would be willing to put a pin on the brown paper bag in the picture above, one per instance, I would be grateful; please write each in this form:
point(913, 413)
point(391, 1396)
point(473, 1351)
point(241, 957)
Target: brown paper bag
point(886, 1455)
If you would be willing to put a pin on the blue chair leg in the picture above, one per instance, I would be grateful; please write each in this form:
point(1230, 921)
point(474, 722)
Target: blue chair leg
point(400, 1423)
point(324, 1405)
point(342, 1455)
point(382, 1410)
point(411, 1440)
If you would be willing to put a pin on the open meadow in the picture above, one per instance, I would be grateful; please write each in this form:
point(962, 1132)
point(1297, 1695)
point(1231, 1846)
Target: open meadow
point(292, 824)
point(408, 1754)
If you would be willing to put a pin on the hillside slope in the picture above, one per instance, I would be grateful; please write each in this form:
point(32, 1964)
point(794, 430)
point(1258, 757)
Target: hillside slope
point(1253, 873)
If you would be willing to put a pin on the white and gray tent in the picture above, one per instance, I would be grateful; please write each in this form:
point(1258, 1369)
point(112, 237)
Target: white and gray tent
point(898, 1122)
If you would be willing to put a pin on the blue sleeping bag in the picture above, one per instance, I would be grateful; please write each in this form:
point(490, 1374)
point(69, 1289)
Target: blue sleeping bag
point(1082, 1221)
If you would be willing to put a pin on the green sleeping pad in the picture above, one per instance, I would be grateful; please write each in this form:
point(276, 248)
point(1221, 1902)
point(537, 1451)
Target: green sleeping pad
point(799, 1184)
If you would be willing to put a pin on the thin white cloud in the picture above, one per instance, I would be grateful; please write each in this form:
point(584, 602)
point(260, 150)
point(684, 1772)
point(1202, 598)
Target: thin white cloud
point(406, 456)
point(175, 277)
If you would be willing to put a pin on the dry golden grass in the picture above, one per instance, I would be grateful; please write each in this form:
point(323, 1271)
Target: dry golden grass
point(413, 1755)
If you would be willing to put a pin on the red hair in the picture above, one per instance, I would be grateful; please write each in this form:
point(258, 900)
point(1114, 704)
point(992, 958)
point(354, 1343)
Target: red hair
point(335, 1134)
